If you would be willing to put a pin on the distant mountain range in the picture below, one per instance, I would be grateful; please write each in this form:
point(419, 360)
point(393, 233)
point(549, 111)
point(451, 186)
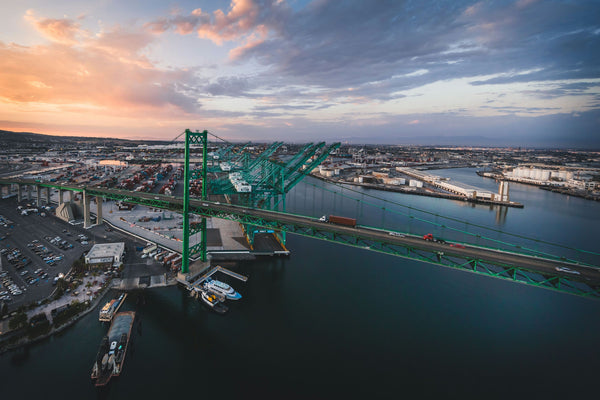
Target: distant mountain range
point(10, 138)
point(573, 141)
point(33, 138)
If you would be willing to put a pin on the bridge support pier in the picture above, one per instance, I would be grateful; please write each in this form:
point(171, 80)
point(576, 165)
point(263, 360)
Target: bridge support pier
point(86, 210)
point(38, 192)
point(60, 196)
point(99, 203)
point(19, 193)
point(28, 192)
point(48, 192)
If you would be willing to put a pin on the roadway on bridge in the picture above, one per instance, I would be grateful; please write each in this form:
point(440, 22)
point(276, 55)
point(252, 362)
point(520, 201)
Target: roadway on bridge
point(548, 267)
point(588, 275)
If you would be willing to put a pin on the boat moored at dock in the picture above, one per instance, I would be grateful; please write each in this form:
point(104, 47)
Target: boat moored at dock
point(113, 348)
point(110, 309)
point(213, 302)
point(221, 288)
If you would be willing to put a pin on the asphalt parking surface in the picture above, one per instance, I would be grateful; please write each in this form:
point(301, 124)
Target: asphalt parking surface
point(25, 230)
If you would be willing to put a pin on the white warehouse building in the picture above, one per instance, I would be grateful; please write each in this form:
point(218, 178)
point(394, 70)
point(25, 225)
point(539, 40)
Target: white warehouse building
point(106, 254)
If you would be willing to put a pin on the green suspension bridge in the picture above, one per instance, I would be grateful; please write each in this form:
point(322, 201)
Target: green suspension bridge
point(264, 206)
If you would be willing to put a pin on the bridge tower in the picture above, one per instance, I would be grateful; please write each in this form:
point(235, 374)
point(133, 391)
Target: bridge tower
point(199, 248)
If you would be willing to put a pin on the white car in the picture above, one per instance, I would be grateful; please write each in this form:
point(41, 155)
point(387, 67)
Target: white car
point(567, 270)
point(397, 234)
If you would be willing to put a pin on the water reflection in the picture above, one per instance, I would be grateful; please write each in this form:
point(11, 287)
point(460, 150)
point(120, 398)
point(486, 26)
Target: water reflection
point(501, 213)
point(20, 356)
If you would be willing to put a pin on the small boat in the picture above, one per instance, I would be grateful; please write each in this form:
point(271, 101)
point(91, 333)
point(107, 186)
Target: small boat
point(110, 309)
point(222, 288)
point(213, 302)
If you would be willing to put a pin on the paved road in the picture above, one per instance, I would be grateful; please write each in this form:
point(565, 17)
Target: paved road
point(588, 275)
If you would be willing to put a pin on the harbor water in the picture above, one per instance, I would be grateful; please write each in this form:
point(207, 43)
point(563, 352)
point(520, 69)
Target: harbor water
point(333, 321)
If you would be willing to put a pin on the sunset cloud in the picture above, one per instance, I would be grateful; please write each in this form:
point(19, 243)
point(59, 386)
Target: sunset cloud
point(322, 66)
point(105, 74)
point(63, 31)
point(245, 21)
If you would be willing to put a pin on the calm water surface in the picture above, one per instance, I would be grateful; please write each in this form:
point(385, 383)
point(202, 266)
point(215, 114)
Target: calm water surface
point(337, 322)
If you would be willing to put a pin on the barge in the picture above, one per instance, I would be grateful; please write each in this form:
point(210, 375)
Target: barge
point(113, 349)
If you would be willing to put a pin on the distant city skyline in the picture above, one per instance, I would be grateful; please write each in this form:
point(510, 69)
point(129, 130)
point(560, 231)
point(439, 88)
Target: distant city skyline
point(520, 73)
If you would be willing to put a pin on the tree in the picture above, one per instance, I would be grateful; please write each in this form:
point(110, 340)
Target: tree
point(4, 309)
point(18, 321)
point(79, 266)
point(61, 286)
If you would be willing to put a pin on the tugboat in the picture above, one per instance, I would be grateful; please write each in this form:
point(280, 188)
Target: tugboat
point(113, 348)
point(213, 302)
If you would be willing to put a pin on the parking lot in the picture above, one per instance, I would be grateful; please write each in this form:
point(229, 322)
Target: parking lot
point(36, 249)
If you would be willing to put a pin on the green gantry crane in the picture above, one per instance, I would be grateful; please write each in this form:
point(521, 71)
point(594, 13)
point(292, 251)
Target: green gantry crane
point(264, 183)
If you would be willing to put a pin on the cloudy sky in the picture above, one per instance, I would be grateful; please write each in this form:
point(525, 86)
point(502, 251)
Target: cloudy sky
point(524, 72)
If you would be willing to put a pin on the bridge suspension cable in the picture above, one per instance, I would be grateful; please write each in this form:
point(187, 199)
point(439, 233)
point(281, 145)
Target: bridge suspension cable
point(456, 220)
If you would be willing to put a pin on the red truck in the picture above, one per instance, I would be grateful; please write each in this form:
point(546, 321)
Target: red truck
point(334, 219)
point(429, 237)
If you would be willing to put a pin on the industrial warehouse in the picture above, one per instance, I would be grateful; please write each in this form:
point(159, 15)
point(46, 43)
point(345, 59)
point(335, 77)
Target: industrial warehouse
point(105, 254)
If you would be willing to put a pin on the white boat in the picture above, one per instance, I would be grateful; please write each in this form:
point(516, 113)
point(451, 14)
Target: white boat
point(110, 309)
point(222, 288)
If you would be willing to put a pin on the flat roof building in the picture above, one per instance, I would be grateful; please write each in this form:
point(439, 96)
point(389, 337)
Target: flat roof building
point(106, 253)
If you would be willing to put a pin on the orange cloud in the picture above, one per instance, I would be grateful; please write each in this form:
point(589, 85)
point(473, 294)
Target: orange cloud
point(63, 31)
point(253, 40)
point(90, 78)
point(244, 21)
point(240, 20)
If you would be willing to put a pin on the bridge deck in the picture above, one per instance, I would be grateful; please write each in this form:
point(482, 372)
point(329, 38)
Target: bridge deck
point(539, 270)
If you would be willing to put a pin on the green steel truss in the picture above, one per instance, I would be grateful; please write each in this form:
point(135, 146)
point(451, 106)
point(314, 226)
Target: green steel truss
point(332, 234)
point(232, 154)
point(270, 180)
point(306, 226)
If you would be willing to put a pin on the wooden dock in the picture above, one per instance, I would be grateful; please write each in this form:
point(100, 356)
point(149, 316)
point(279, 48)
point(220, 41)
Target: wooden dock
point(195, 286)
point(216, 269)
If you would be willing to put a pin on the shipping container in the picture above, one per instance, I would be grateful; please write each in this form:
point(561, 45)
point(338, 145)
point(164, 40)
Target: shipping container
point(334, 219)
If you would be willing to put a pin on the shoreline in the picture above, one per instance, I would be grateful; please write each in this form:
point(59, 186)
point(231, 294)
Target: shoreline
point(449, 196)
point(569, 193)
point(26, 341)
point(553, 189)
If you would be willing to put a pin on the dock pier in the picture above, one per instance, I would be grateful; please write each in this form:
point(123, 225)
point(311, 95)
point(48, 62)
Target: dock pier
point(195, 284)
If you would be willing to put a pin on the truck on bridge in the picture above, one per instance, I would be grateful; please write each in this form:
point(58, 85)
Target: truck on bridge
point(335, 219)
